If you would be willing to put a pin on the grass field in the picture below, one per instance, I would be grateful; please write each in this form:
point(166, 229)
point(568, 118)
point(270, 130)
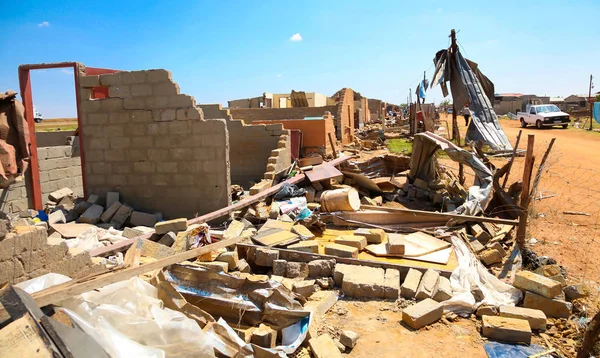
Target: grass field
point(56, 124)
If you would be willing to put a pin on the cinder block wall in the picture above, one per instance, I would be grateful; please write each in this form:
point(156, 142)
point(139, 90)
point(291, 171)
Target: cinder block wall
point(264, 114)
point(151, 143)
point(251, 146)
point(214, 111)
point(344, 119)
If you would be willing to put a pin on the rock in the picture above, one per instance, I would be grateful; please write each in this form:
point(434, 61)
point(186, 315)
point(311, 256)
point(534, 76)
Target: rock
point(279, 267)
point(304, 288)
point(444, 290)
point(320, 268)
point(486, 311)
point(303, 232)
point(91, 215)
point(229, 257)
point(477, 293)
point(296, 270)
point(536, 318)
point(422, 314)
point(324, 347)
point(529, 281)
point(349, 338)
point(360, 242)
point(121, 216)
point(56, 196)
point(341, 251)
point(553, 272)
point(139, 218)
point(373, 236)
point(325, 283)
point(264, 336)
point(168, 239)
point(265, 257)
point(428, 284)
point(506, 329)
point(108, 214)
point(174, 225)
point(551, 307)
point(411, 283)
point(391, 283)
point(574, 292)
point(311, 246)
point(57, 217)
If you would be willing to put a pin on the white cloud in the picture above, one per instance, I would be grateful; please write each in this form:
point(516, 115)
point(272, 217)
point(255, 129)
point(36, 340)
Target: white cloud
point(296, 37)
point(279, 75)
point(44, 24)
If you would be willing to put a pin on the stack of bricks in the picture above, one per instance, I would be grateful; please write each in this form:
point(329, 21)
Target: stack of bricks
point(26, 254)
point(60, 167)
point(344, 118)
point(152, 143)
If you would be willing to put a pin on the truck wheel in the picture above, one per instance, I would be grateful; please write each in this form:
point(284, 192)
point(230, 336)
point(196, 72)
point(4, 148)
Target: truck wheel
point(538, 124)
point(523, 124)
point(565, 126)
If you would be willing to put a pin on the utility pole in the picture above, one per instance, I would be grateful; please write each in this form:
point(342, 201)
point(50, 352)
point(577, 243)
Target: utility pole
point(453, 51)
point(591, 103)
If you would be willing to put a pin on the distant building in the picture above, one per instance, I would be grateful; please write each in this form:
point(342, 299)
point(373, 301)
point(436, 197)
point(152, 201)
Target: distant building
point(280, 100)
point(513, 102)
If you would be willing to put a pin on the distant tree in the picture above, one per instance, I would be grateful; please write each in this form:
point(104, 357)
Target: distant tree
point(598, 98)
point(445, 103)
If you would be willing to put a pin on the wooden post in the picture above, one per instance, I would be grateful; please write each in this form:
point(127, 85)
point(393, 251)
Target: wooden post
point(453, 51)
point(332, 145)
point(525, 195)
point(512, 159)
point(590, 102)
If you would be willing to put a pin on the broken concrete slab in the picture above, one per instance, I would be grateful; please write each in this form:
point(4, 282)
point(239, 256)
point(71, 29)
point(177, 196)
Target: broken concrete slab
point(174, 225)
point(341, 251)
point(428, 285)
point(167, 239)
point(229, 257)
point(391, 283)
point(349, 338)
point(234, 229)
point(296, 270)
point(56, 217)
point(57, 195)
point(411, 283)
point(311, 246)
point(139, 218)
point(479, 233)
point(443, 291)
point(324, 347)
point(121, 216)
point(155, 250)
point(215, 266)
point(243, 266)
point(551, 307)
point(303, 232)
point(108, 214)
point(304, 288)
point(536, 318)
point(321, 268)
point(130, 232)
point(265, 257)
point(529, 281)
point(364, 281)
point(360, 242)
point(506, 329)
point(264, 336)
point(373, 236)
point(279, 267)
point(91, 215)
point(484, 310)
point(422, 314)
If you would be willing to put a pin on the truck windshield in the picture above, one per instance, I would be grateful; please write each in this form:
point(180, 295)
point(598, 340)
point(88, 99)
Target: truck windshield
point(547, 109)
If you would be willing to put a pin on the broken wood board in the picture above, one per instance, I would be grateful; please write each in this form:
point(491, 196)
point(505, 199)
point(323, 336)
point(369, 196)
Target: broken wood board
point(364, 182)
point(310, 161)
point(415, 244)
point(276, 224)
point(441, 257)
point(71, 230)
point(385, 218)
point(22, 338)
point(324, 171)
point(276, 237)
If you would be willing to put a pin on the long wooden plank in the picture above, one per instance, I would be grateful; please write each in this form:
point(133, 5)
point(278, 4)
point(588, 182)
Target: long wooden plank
point(123, 245)
point(69, 289)
point(442, 216)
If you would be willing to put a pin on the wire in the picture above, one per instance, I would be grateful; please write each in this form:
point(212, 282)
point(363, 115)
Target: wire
point(464, 49)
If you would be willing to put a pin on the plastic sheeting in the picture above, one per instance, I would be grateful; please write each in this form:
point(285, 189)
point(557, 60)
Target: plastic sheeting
point(94, 237)
point(422, 163)
point(470, 272)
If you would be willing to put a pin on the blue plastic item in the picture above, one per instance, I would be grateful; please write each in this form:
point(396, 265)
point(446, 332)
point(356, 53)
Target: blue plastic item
point(508, 350)
point(42, 215)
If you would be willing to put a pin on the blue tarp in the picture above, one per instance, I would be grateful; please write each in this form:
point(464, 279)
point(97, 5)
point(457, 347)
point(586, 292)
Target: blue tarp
point(597, 111)
point(507, 350)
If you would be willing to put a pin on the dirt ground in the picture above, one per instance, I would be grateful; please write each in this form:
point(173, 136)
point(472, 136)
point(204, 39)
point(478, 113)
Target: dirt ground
point(55, 124)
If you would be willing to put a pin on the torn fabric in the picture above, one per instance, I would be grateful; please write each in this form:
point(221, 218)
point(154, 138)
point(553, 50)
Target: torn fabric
point(14, 138)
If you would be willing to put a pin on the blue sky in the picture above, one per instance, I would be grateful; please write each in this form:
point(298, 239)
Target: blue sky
point(222, 50)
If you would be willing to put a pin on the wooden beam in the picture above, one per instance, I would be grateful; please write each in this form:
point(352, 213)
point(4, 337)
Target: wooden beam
point(525, 194)
point(123, 245)
point(463, 218)
point(512, 159)
point(332, 142)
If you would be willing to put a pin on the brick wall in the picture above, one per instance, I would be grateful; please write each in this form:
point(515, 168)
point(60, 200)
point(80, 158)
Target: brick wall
point(151, 143)
point(265, 114)
point(375, 106)
point(344, 118)
point(214, 111)
point(250, 148)
point(25, 254)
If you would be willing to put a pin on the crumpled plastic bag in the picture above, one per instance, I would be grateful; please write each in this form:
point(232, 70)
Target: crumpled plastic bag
point(288, 190)
point(94, 237)
point(42, 282)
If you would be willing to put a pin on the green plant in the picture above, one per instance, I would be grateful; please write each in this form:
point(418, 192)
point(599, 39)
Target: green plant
point(403, 146)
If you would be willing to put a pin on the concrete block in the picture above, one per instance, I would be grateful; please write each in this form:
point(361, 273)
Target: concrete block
point(274, 210)
point(111, 79)
point(324, 347)
point(341, 250)
point(216, 266)
point(57, 195)
point(363, 281)
point(57, 217)
point(121, 216)
point(91, 215)
point(89, 81)
point(349, 338)
point(476, 246)
point(551, 307)
point(311, 246)
point(108, 214)
point(490, 257)
point(153, 76)
point(321, 268)
point(234, 229)
point(421, 184)
point(243, 266)
point(373, 236)
point(230, 257)
point(174, 225)
point(155, 250)
point(93, 199)
point(391, 283)
point(480, 234)
point(168, 239)
point(304, 288)
point(142, 219)
point(303, 232)
point(111, 198)
point(498, 247)
point(130, 233)
point(553, 272)
point(264, 336)
point(279, 267)
point(411, 283)
point(296, 270)
point(536, 318)
point(428, 284)
point(265, 257)
point(395, 245)
point(506, 329)
point(484, 310)
point(422, 314)
point(360, 242)
point(444, 290)
point(529, 281)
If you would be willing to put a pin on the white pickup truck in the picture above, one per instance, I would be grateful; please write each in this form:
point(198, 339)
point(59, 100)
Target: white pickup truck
point(543, 115)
